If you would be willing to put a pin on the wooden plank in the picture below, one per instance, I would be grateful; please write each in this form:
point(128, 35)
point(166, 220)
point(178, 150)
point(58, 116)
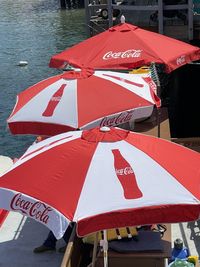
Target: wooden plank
point(150, 126)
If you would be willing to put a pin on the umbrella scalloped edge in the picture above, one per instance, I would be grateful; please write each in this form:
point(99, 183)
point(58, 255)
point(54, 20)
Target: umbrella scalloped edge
point(3, 215)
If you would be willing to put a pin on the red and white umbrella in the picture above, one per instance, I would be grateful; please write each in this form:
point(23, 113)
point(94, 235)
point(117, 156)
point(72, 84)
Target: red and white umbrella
point(126, 46)
point(103, 178)
point(83, 100)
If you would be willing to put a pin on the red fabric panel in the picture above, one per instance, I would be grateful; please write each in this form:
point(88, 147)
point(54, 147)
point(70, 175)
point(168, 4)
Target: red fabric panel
point(46, 176)
point(99, 135)
point(140, 216)
point(111, 99)
point(37, 128)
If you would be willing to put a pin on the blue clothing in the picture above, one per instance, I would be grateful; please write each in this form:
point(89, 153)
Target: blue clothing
point(51, 240)
point(182, 254)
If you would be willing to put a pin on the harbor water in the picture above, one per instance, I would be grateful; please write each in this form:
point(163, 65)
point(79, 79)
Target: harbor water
point(32, 31)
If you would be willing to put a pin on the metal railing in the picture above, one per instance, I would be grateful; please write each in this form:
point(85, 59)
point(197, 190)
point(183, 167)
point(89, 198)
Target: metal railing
point(158, 7)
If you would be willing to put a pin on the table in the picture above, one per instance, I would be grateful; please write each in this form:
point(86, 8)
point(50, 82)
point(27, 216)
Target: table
point(140, 259)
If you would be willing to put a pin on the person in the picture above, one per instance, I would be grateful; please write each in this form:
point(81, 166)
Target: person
point(40, 138)
point(179, 251)
point(50, 242)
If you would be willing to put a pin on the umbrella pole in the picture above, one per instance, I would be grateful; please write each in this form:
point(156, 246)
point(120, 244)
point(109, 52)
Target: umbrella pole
point(94, 254)
point(155, 77)
point(158, 121)
point(105, 248)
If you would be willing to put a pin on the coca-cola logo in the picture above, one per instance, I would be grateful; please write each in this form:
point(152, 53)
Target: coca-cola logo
point(36, 210)
point(181, 60)
point(124, 171)
point(151, 83)
point(125, 54)
point(119, 119)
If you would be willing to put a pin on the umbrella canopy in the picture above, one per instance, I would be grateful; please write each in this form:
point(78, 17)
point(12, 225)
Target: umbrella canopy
point(126, 46)
point(82, 100)
point(5, 163)
point(103, 178)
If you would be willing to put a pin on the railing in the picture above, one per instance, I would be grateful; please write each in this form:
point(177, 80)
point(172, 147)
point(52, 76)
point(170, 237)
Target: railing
point(196, 7)
point(159, 7)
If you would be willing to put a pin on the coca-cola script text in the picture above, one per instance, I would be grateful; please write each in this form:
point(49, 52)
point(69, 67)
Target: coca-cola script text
point(124, 54)
point(37, 210)
point(119, 119)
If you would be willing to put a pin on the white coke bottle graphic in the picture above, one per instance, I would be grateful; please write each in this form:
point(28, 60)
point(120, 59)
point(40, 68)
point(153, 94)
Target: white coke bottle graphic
point(126, 176)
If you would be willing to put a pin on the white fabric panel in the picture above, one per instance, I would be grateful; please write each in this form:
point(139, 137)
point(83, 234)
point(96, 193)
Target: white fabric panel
point(102, 191)
point(144, 91)
point(5, 164)
point(65, 112)
point(33, 208)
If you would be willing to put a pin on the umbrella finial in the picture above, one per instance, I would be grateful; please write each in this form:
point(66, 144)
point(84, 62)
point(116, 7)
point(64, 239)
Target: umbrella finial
point(122, 19)
point(104, 129)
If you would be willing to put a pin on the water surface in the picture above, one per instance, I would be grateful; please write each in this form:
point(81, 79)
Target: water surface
point(31, 30)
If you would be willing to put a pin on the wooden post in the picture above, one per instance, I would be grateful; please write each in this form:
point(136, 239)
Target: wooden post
point(87, 17)
point(160, 16)
point(110, 13)
point(190, 20)
point(69, 250)
point(63, 4)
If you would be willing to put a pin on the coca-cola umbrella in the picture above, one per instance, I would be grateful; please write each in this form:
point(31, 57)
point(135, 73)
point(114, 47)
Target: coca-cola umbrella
point(126, 46)
point(82, 100)
point(103, 178)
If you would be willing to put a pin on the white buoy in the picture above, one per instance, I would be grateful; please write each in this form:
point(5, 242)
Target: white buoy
point(122, 19)
point(22, 63)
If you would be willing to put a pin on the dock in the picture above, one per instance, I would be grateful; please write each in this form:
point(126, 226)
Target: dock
point(180, 21)
point(19, 235)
